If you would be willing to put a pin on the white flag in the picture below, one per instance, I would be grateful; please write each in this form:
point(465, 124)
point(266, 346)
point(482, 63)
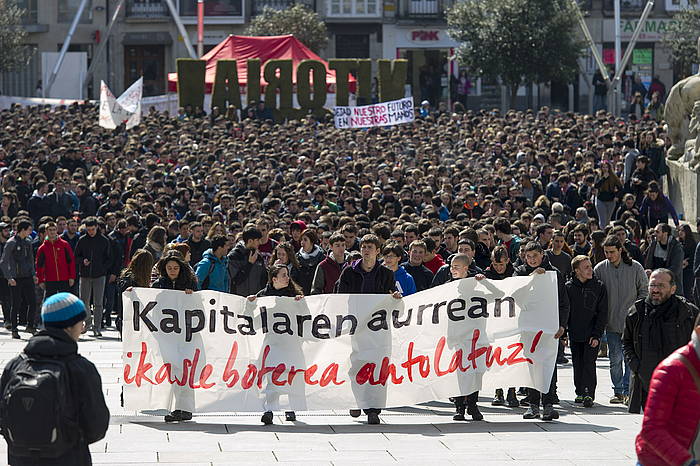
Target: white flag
point(125, 109)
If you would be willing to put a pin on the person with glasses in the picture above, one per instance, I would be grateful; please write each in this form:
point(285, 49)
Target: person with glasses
point(392, 252)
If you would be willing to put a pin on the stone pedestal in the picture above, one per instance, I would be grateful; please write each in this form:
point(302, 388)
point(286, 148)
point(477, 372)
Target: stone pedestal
point(683, 188)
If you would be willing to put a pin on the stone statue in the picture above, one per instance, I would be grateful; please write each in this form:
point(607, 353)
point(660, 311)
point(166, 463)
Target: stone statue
point(692, 145)
point(678, 110)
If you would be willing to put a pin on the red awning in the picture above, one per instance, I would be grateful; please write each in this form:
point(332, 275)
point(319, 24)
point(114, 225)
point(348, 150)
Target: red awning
point(242, 48)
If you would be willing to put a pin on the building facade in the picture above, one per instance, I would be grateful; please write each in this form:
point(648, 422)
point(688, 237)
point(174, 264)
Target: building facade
point(145, 42)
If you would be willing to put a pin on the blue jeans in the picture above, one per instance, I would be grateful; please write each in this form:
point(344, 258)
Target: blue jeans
point(619, 371)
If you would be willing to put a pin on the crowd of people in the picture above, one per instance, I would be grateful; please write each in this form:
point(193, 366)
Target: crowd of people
point(257, 208)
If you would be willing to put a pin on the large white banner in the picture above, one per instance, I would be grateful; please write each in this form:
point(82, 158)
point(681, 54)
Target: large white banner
point(125, 109)
point(213, 352)
point(390, 113)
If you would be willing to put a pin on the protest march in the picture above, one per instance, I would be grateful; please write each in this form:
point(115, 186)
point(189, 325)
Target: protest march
point(371, 259)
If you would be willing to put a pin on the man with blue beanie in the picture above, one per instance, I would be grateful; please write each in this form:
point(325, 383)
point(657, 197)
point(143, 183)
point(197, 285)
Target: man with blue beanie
point(52, 406)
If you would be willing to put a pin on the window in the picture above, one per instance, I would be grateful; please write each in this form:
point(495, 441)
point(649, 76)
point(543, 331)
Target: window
point(30, 16)
point(146, 8)
point(68, 8)
point(213, 8)
point(677, 5)
point(626, 5)
point(353, 8)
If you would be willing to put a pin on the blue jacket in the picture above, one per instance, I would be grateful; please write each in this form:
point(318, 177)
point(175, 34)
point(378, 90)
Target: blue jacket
point(218, 278)
point(404, 281)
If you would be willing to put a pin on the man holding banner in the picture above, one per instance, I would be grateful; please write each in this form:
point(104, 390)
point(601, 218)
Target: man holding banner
point(459, 269)
point(367, 276)
point(537, 263)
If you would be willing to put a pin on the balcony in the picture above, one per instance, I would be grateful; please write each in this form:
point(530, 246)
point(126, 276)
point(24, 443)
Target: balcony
point(354, 8)
point(258, 6)
point(146, 9)
point(423, 9)
point(626, 6)
point(215, 8)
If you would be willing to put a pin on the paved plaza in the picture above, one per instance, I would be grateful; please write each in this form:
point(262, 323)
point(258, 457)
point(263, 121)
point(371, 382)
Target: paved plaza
point(419, 435)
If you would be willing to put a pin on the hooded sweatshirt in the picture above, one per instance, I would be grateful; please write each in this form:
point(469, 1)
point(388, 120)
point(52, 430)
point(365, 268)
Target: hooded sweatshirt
point(404, 282)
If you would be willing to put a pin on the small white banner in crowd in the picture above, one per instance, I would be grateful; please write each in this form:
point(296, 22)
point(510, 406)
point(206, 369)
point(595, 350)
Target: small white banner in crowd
point(214, 352)
point(390, 113)
point(125, 109)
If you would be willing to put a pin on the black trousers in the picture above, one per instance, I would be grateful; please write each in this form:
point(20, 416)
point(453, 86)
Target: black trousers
point(583, 357)
point(52, 288)
point(23, 294)
point(534, 396)
point(462, 402)
point(5, 300)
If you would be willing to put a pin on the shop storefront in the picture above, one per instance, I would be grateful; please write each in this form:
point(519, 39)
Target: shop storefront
point(428, 51)
point(649, 58)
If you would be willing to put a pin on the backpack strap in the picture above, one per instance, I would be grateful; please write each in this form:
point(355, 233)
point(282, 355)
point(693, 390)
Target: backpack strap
point(691, 369)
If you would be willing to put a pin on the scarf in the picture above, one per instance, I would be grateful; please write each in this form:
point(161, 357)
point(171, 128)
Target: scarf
point(656, 315)
point(156, 247)
point(661, 251)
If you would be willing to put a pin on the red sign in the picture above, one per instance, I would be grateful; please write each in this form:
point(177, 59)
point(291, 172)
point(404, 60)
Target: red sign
point(425, 35)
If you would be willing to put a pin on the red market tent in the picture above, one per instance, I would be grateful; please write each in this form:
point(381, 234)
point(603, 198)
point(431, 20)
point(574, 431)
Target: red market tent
point(242, 48)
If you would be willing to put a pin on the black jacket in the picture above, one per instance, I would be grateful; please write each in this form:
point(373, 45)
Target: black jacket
point(421, 275)
point(197, 250)
point(99, 251)
point(246, 278)
point(352, 276)
point(444, 275)
point(493, 275)
point(182, 283)
point(88, 205)
point(270, 290)
point(524, 270)
point(651, 334)
point(307, 268)
point(17, 260)
point(86, 390)
point(588, 309)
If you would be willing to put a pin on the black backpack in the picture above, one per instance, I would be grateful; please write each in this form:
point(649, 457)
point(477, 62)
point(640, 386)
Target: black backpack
point(37, 415)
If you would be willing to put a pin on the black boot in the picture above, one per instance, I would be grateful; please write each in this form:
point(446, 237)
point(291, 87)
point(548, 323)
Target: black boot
point(459, 414)
point(512, 399)
point(549, 413)
point(355, 412)
point(372, 417)
point(473, 411)
point(290, 416)
point(266, 418)
point(498, 399)
point(175, 416)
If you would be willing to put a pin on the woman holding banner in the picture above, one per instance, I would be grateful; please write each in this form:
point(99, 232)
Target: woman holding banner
point(279, 284)
point(175, 274)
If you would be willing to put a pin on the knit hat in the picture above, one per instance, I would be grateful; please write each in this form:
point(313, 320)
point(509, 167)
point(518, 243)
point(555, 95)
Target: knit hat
point(62, 310)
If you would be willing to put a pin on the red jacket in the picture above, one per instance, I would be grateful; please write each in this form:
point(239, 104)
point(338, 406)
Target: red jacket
point(434, 264)
point(55, 261)
point(672, 413)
